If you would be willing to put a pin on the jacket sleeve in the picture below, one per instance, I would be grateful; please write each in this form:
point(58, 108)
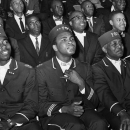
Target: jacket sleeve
point(46, 107)
point(37, 7)
point(102, 27)
point(30, 99)
point(91, 95)
point(103, 91)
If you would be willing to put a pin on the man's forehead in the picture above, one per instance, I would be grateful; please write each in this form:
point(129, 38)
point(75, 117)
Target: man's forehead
point(76, 14)
point(33, 19)
point(15, 1)
point(119, 15)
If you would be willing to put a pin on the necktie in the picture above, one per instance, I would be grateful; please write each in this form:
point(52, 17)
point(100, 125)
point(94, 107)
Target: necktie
point(21, 24)
point(37, 46)
point(90, 24)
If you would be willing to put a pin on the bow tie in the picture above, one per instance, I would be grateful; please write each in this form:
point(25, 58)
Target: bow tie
point(60, 19)
point(65, 64)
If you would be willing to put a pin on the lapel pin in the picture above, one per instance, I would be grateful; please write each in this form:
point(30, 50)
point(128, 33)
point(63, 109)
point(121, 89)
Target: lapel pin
point(11, 72)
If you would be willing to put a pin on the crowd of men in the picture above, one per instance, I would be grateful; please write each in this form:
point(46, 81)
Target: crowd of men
point(64, 65)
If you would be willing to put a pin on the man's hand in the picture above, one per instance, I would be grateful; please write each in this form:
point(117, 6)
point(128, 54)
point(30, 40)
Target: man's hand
point(4, 125)
point(125, 121)
point(74, 77)
point(74, 109)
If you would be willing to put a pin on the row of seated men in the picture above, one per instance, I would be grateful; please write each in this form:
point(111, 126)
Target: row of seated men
point(88, 49)
point(65, 93)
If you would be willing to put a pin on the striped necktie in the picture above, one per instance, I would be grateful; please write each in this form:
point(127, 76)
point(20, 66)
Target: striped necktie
point(37, 46)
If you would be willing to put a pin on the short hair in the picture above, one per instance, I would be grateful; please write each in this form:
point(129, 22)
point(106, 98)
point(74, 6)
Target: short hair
point(82, 4)
point(112, 14)
point(29, 16)
point(52, 2)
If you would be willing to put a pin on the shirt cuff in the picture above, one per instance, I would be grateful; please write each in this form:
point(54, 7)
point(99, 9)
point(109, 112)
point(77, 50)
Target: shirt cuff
point(120, 111)
point(82, 91)
point(23, 115)
point(113, 106)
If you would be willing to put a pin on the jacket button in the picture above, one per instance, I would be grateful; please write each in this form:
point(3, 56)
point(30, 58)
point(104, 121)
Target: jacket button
point(2, 90)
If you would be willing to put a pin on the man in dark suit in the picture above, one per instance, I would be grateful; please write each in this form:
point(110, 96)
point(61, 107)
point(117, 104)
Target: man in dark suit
point(57, 17)
point(18, 97)
point(95, 25)
point(88, 47)
point(112, 80)
point(15, 26)
point(66, 100)
point(35, 48)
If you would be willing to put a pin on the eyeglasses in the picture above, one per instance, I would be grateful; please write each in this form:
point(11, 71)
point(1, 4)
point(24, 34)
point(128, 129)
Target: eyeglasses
point(78, 18)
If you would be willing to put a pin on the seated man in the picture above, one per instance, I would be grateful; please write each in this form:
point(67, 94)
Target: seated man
point(56, 18)
point(66, 98)
point(95, 25)
point(88, 48)
point(34, 48)
point(18, 96)
point(112, 80)
point(15, 26)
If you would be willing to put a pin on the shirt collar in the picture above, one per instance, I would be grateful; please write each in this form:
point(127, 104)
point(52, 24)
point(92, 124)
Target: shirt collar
point(113, 9)
point(80, 34)
point(6, 66)
point(64, 63)
point(33, 37)
point(115, 61)
point(56, 19)
point(17, 17)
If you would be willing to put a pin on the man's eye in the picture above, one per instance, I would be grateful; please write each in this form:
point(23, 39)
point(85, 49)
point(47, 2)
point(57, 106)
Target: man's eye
point(64, 40)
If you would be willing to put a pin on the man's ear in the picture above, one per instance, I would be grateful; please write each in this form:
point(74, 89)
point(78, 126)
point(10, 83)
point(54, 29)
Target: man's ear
point(111, 22)
point(51, 9)
point(70, 22)
point(11, 8)
point(55, 48)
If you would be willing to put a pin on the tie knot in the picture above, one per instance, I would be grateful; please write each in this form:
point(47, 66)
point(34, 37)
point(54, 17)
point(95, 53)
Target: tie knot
point(20, 18)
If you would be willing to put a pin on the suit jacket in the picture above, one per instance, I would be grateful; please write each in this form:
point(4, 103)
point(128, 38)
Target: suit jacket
point(49, 24)
point(29, 55)
point(111, 86)
point(98, 26)
point(91, 52)
point(12, 29)
point(55, 92)
point(33, 5)
point(18, 94)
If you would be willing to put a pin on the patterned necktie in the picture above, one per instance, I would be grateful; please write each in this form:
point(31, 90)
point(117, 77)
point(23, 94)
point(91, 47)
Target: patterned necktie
point(21, 24)
point(37, 46)
point(90, 24)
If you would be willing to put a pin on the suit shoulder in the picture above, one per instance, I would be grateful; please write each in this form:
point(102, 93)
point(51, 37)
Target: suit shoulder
point(44, 65)
point(24, 66)
point(91, 35)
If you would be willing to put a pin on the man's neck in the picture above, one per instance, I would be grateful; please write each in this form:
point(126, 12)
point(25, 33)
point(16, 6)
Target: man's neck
point(79, 31)
point(35, 35)
point(19, 14)
point(63, 58)
point(2, 63)
point(57, 17)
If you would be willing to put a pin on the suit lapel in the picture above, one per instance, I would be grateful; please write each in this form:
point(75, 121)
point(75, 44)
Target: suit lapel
point(94, 24)
point(123, 70)
point(86, 45)
point(16, 27)
point(11, 72)
point(51, 22)
point(30, 47)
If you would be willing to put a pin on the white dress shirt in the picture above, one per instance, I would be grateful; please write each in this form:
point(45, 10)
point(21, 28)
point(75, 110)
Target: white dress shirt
point(18, 21)
point(58, 22)
point(80, 36)
point(3, 71)
point(117, 64)
point(39, 38)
